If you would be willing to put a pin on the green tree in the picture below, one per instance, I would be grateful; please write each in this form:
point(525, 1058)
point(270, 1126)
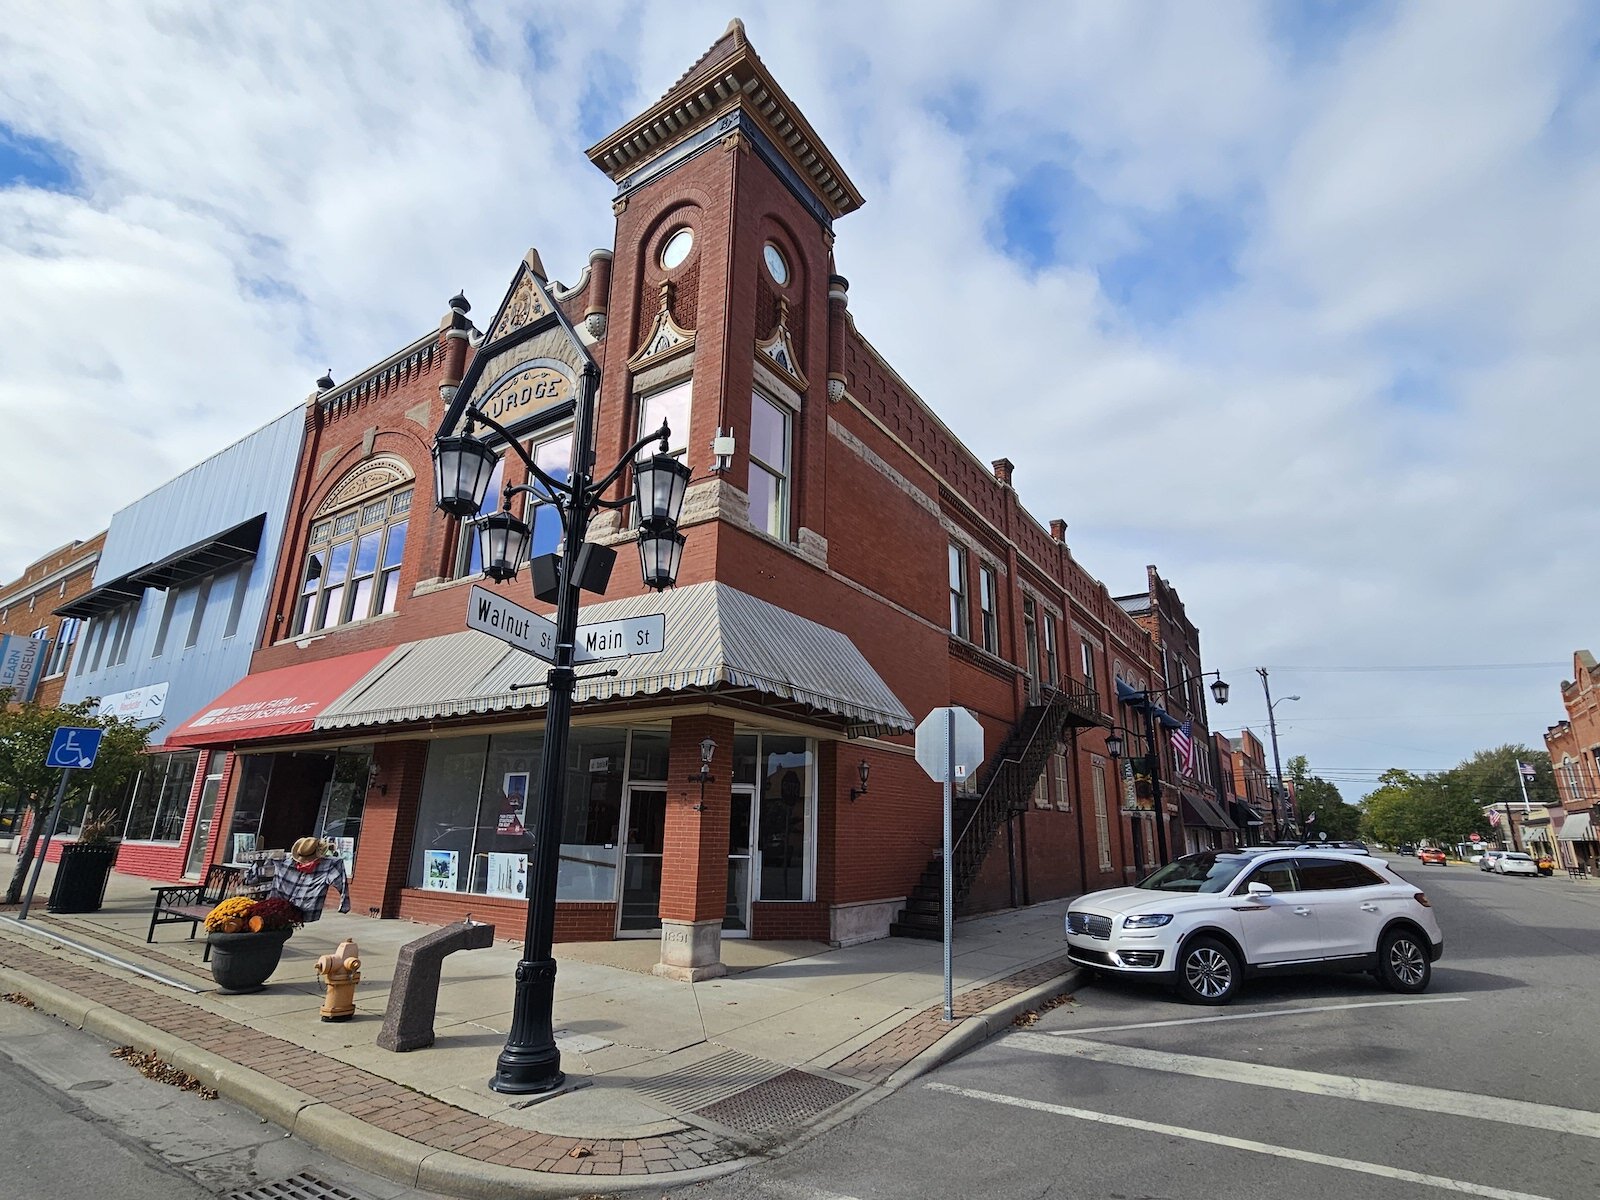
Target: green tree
point(25, 780)
point(1490, 776)
point(1322, 809)
point(1391, 813)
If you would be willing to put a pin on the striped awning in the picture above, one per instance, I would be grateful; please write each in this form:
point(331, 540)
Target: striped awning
point(716, 638)
point(1576, 828)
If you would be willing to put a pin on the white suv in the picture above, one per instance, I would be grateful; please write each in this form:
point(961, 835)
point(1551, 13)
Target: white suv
point(1208, 921)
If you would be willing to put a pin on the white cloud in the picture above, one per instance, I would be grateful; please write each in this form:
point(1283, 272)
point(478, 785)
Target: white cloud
point(1366, 448)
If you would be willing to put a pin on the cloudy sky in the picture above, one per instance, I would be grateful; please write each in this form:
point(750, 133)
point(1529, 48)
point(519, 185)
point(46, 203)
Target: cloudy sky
point(1299, 302)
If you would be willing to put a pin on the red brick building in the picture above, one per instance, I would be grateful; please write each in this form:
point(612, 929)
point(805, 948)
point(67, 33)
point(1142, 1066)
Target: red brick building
point(28, 604)
point(1574, 748)
point(849, 567)
point(1252, 783)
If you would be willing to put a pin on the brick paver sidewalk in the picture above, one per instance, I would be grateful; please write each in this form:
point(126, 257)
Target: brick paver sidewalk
point(430, 1122)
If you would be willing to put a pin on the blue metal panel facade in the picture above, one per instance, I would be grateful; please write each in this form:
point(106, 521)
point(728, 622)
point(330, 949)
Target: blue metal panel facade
point(249, 478)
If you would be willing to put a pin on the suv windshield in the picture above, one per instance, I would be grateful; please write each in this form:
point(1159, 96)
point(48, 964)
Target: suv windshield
point(1196, 873)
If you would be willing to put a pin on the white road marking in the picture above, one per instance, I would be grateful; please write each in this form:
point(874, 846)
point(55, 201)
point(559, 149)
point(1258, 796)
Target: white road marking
point(1522, 1113)
point(1219, 1139)
point(1271, 1012)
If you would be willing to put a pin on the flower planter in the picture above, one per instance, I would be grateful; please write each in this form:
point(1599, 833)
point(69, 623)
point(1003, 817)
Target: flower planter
point(81, 877)
point(243, 962)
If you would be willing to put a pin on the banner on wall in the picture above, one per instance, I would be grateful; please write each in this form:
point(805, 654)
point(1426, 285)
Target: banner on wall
point(22, 662)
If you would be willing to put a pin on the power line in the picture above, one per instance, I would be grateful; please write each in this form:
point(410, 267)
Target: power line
point(1524, 666)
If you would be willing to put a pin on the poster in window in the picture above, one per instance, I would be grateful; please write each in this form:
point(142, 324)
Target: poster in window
point(243, 844)
point(513, 805)
point(508, 876)
point(346, 846)
point(439, 870)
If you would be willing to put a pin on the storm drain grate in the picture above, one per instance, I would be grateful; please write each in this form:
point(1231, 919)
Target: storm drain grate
point(784, 1102)
point(713, 1079)
point(296, 1187)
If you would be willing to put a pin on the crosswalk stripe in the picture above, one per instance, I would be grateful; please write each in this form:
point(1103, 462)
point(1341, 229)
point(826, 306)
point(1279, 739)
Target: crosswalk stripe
point(1344, 1087)
point(1259, 1013)
point(1218, 1139)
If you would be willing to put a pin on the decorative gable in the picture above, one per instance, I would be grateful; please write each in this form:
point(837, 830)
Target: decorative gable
point(525, 302)
point(666, 339)
point(778, 349)
point(378, 475)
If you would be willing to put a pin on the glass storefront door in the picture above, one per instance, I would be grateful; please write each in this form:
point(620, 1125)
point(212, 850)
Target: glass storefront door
point(736, 923)
point(196, 860)
point(639, 915)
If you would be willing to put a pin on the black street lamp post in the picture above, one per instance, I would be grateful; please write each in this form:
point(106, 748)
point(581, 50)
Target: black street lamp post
point(463, 467)
point(1219, 691)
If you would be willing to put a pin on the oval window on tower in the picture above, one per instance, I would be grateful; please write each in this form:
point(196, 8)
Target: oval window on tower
point(776, 264)
point(677, 248)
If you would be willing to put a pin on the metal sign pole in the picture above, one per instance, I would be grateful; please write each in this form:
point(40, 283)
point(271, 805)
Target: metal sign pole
point(949, 870)
point(44, 846)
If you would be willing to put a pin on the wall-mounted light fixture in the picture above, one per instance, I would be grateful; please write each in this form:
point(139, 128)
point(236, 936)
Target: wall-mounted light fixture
point(707, 749)
point(863, 770)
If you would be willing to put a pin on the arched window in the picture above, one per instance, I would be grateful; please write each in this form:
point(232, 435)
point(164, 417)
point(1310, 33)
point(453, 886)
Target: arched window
point(357, 544)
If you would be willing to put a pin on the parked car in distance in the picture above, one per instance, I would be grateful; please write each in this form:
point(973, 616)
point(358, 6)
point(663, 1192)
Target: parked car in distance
point(1515, 863)
point(1407, 848)
point(1431, 854)
point(1486, 859)
point(1207, 922)
point(1546, 864)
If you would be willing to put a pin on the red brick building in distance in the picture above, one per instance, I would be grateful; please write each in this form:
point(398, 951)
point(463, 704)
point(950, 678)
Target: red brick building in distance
point(28, 604)
point(849, 567)
point(1574, 748)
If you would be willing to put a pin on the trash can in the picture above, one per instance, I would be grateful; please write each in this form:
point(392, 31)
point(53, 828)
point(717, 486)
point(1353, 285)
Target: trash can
point(81, 877)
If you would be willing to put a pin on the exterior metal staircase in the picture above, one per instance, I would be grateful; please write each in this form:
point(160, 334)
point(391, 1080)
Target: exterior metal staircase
point(1005, 786)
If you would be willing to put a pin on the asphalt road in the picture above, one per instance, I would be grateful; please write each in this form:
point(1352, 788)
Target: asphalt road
point(1326, 1086)
point(79, 1123)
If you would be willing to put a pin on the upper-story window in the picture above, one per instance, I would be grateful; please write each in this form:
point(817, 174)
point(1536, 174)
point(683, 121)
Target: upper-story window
point(989, 606)
point(677, 247)
point(1086, 652)
point(66, 636)
point(958, 592)
point(109, 637)
point(769, 466)
point(1050, 676)
point(352, 568)
point(670, 404)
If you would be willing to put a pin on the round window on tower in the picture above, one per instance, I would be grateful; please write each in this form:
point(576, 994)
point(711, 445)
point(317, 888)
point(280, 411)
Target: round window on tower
point(776, 264)
point(677, 248)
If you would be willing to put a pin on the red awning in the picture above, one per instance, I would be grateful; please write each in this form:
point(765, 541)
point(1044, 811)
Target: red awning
point(275, 703)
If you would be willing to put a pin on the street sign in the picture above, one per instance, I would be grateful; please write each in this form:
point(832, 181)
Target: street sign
point(621, 638)
point(933, 749)
point(74, 748)
point(521, 627)
point(1475, 837)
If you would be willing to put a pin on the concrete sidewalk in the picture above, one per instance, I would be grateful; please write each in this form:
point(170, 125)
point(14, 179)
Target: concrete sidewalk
point(678, 1081)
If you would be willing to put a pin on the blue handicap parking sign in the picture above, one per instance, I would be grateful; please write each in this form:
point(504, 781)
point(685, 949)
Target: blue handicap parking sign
point(74, 747)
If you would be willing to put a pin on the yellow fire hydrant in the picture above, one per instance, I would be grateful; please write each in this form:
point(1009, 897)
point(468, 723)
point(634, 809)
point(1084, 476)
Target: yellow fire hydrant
point(341, 971)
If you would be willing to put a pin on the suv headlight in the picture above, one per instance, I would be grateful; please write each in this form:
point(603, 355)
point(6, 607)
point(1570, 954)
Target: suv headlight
point(1146, 921)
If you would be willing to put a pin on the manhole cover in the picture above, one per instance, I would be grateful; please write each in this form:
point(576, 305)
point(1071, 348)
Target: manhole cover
point(296, 1187)
point(789, 1100)
point(710, 1080)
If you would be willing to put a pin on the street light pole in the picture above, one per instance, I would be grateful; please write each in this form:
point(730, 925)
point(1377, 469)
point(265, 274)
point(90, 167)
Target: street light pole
point(1277, 766)
point(463, 466)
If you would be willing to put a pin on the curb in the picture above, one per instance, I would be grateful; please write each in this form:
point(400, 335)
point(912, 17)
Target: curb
point(974, 1031)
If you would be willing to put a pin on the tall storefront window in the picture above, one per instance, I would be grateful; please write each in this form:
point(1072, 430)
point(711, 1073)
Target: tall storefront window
point(479, 806)
point(158, 798)
point(352, 569)
point(788, 783)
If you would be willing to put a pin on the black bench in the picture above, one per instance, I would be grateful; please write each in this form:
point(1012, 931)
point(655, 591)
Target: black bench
point(192, 902)
point(1578, 872)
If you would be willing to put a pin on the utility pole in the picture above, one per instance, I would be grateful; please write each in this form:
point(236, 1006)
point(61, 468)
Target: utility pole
point(1277, 767)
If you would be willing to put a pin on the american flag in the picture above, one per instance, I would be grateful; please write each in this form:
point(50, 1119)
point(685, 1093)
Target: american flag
point(1183, 746)
point(1526, 770)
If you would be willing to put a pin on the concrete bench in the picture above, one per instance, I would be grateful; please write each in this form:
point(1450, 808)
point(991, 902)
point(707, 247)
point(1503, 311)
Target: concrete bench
point(192, 902)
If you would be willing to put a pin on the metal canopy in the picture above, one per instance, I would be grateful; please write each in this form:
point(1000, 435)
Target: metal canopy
point(205, 557)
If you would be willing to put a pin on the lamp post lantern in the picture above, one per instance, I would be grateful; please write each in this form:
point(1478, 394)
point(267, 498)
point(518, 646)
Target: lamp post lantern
point(463, 467)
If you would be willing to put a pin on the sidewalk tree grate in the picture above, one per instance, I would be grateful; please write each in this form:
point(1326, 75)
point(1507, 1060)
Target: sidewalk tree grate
point(787, 1101)
point(297, 1187)
point(710, 1080)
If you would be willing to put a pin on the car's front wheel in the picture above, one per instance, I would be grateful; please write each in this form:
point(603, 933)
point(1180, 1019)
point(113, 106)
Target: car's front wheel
point(1405, 963)
point(1208, 972)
